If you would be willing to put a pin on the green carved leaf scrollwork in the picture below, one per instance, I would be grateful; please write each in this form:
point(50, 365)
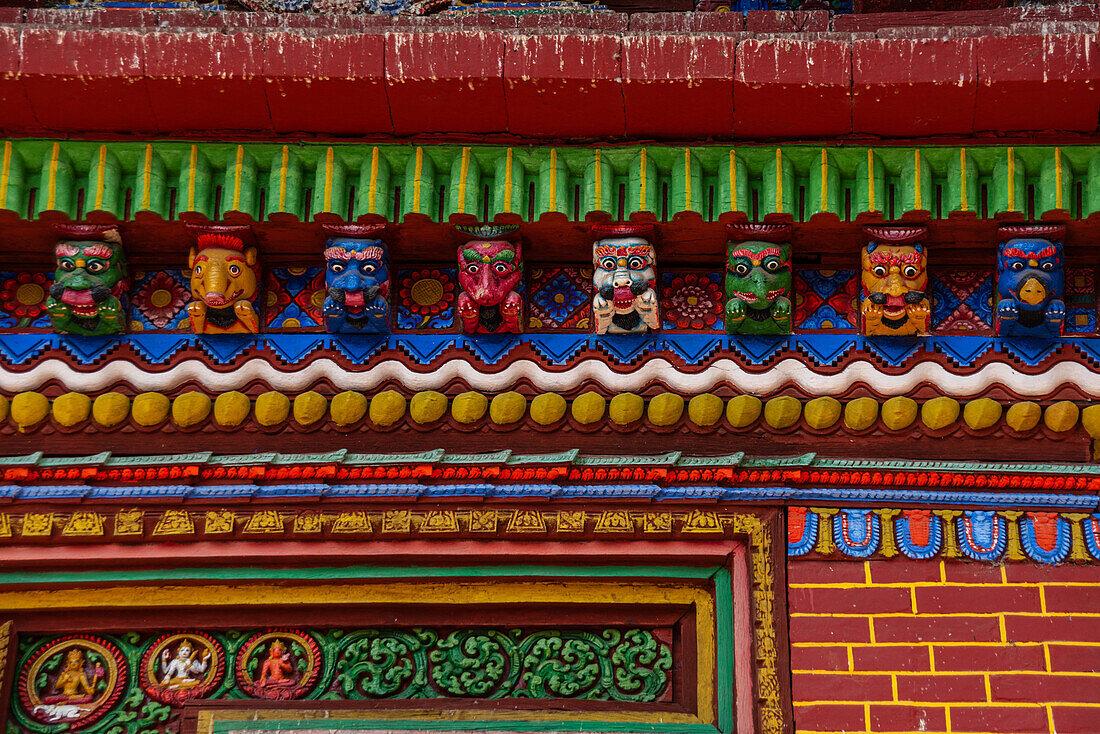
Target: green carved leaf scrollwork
point(388, 664)
point(566, 665)
point(408, 663)
point(641, 666)
point(481, 664)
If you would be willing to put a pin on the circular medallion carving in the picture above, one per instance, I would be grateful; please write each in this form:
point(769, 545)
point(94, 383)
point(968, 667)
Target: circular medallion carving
point(73, 680)
point(280, 664)
point(181, 666)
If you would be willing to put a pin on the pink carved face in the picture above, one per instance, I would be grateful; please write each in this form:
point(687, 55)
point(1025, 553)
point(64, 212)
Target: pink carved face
point(489, 270)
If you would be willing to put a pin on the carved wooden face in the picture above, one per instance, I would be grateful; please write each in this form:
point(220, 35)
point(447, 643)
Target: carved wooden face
point(358, 268)
point(1029, 270)
point(83, 265)
point(488, 270)
point(894, 276)
point(623, 269)
point(221, 276)
point(758, 272)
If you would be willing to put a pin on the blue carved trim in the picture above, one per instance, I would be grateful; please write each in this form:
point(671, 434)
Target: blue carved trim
point(809, 536)
point(856, 532)
point(817, 350)
point(1062, 542)
point(983, 535)
point(910, 548)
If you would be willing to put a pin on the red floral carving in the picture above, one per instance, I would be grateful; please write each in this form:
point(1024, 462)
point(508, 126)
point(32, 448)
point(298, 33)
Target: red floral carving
point(692, 301)
point(161, 299)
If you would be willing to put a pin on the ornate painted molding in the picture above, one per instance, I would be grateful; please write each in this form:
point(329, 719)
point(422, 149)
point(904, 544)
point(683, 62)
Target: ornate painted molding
point(980, 535)
point(685, 363)
point(58, 168)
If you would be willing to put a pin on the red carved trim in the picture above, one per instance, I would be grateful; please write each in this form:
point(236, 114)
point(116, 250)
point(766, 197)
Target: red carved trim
point(895, 235)
point(769, 232)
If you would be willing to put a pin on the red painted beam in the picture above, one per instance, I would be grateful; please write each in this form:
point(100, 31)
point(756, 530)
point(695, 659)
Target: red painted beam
point(86, 79)
point(793, 87)
point(914, 86)
point(446, 82)
point(206, 80)
point(1037, 82)
point(564, 85)
point(667, 78)
point(678, 86)
point(335, 83)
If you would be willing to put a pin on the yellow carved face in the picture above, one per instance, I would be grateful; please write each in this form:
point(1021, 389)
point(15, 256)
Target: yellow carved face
point(221, 276)
point(894, 272)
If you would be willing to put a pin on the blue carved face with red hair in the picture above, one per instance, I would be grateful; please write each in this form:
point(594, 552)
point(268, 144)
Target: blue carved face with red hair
point(358, 281)
point(1030, 282)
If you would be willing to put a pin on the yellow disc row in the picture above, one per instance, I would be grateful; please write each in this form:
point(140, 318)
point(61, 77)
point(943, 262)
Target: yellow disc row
point(272, 408)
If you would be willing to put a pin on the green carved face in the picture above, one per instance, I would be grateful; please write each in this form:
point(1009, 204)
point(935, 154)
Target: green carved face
point(83, 265)
point(84, 296)
point(758, 273)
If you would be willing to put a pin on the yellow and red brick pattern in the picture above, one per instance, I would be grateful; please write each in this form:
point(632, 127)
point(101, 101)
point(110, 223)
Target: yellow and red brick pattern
point(944, 647)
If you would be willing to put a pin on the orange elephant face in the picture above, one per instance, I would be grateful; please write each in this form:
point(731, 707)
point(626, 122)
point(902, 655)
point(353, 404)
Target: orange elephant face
point(221, 276)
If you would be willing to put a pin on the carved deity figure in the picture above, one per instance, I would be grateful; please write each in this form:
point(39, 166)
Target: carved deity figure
point(758, 279)
point(490, 268)
point(277, 669)
point(72, 684)
point(895, 282)
point(358, 281)
point(224, 282)
point(1030, 281)
point(624, 277)
point(90, 281)
point(186, 669)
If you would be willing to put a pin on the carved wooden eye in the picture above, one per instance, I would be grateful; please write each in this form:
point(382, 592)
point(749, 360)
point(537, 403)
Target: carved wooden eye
point(472, 268)
point(636, 263)
point(368, 267)
point(1018, 265)
point(197, 271)
point(608, 263)
point(336, 267)
point(95, 266)
point(910, 271)
point(771, 264)
point(1048, 266)
point(879, 271)
point(501, 268)
point(234, 270)
point(67, 265)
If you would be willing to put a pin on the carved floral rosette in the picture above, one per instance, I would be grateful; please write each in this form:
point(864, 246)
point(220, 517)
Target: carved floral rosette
point(38, 686)
point(302, 654)
point(175, 694)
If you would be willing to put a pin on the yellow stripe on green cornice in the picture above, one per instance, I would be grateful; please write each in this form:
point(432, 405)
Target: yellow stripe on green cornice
point(4, 174)
point(59, 168)
point(101, 170)
point(463, 172)
point(51, 186)
point(147, 171)
point(237, 175)
point(508, 182)
point(372, 194)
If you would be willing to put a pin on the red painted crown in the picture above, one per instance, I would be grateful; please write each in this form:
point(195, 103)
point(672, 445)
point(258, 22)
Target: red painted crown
point(623, 229)
point(895, 235)
point(1044, 231)
point(764, 232)
point(225, 241)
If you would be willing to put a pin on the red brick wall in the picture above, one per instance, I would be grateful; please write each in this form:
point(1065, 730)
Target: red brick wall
point(930, 646)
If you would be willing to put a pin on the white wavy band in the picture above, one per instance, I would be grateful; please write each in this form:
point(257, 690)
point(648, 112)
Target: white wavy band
point(722, 372)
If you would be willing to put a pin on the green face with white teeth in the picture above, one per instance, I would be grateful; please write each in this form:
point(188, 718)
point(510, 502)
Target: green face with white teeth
point(758, 288)
point(84, 295)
